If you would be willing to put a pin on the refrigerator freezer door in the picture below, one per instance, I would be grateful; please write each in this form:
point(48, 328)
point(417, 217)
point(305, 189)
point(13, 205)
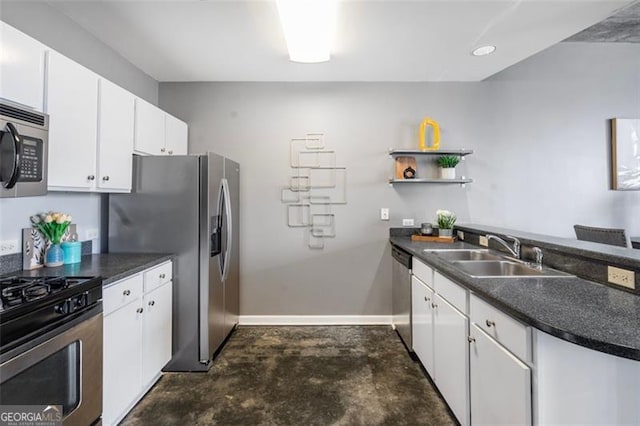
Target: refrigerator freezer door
point(232, 273)
point(162, 216)
point(212, 290)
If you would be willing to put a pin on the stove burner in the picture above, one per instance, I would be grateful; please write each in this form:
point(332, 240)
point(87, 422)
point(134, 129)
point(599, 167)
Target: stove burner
point(18, 290)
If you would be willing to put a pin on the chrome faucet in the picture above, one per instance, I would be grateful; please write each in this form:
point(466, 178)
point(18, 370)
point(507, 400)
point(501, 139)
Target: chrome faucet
point(539, 256)
point(515, 250)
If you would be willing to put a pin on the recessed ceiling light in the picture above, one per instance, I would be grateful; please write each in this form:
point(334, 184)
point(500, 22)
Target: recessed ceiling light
point(309, 28)
point(483, 50)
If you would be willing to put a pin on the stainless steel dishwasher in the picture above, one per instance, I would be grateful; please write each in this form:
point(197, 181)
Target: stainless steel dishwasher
point(401, 295)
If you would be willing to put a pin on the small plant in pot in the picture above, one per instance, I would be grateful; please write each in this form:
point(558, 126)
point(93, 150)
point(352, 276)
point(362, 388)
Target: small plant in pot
point(447, 164)
point(446, 220)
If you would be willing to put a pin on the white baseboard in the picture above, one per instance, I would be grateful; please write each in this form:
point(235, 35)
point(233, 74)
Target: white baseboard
point(315, 320)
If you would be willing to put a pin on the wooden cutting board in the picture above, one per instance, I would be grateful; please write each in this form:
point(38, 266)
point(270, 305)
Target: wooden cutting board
point(432, 239)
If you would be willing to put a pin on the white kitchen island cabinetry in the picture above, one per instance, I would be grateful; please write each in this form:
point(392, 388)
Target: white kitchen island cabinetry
point(137, 338)
point(22, 76)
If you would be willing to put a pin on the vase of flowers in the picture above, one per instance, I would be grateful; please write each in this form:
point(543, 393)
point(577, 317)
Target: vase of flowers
point(52, 225)
point(446, 220)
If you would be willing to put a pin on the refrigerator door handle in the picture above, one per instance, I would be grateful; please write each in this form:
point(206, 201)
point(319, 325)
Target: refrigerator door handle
point(227, 211)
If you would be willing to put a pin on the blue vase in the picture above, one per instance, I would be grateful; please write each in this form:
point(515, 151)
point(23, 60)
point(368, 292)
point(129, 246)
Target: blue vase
point(54, 256)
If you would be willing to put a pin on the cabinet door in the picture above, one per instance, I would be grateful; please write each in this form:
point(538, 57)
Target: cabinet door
point(176, 136)
point(115, 138)
point(122, 356)
point(452, 357)
point(22, 76)
point(422, 322)
point(156, 331)
point(72, 104)
point(500, 383)
point(150, 129)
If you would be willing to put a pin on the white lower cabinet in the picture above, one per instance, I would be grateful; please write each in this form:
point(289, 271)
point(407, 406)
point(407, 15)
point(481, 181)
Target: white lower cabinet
point(422, 320)
point(137, 341)
point(500, 383)
point(452, 357)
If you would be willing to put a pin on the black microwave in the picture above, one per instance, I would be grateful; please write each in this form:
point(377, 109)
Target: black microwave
point(23, 151)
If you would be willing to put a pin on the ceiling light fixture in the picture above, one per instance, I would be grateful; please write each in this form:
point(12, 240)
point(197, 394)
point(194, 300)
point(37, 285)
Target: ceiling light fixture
point(483, 50)
point(309, 27)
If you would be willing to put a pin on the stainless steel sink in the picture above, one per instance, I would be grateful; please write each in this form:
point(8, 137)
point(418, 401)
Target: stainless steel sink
point(504, 268)
point(456, 255)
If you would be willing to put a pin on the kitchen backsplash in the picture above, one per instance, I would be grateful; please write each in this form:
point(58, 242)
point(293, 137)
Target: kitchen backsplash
point(13, 262)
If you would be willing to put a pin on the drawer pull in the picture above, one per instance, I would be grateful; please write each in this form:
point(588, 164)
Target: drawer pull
point(105, 178)
point(426, 299)
point(139, 310)
point(490, 323)
point(153, 302)
point(162, 149)
point(163, 276)
point(126, 292)
point(433, 305)
point(471, 339)
point(91, 177)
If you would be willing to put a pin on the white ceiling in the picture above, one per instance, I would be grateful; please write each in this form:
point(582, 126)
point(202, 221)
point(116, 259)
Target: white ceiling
point(188, 40)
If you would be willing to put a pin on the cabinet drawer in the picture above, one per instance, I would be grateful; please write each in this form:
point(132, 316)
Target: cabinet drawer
point(514, 335)
point(422, 271)
point(121, 293)
point(155, 277)
point(452, 292)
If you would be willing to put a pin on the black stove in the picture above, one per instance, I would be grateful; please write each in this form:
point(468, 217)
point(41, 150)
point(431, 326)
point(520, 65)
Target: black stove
point(30, 306)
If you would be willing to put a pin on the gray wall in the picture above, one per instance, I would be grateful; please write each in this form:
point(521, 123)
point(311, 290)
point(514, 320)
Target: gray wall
point(53, 28)
point(44, 23)
point(539, 131)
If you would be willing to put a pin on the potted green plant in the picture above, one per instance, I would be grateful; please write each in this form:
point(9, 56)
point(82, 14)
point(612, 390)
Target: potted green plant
point(447, 164)
point(446, 220)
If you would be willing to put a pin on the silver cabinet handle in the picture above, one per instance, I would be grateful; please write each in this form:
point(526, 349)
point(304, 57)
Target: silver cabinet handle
point(162, 149)
point(426, 299)
point(126, 292)
point(490, 323)
point(153, 302)
point(105, 178)
point(163, 276)
point(433, 305)
point(91, 177)
point(471, 339)
point(170, 152)
point(139, 310)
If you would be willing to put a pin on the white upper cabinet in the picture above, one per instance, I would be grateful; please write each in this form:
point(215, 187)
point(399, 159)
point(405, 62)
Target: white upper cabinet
point(115, 138)
point(21, 68)
point(72, 104)
point(150, 129)
point(176, 136)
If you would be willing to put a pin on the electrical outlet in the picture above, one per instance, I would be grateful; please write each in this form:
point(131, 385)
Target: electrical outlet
point(461, 235)
point(407, 222)
point(10, 247)
point(92, 234)
point(384, 213)
point(621, 277)
point(484, 241)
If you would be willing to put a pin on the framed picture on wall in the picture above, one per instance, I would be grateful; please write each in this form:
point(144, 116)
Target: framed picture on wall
point(625, 154)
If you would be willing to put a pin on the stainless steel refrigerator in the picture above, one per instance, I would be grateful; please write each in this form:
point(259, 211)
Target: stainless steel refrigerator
point(187, 205)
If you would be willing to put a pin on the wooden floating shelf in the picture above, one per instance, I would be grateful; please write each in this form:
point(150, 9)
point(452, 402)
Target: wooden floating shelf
point(410, 152)
point(434, 180)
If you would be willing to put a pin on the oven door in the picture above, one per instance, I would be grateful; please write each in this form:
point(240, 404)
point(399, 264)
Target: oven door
point(62, 367)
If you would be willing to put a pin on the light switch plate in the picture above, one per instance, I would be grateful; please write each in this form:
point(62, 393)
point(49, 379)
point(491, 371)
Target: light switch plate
point(92, 234)
point(484, 241)
point(384, 213)
point(10, 247)
point(407, 222)
point(621, 277)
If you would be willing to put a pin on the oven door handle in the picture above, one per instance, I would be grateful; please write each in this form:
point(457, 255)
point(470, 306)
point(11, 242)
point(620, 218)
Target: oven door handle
point(14, 136)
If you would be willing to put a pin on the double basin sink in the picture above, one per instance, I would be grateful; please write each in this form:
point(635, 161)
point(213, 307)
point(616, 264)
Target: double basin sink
point(480, 263)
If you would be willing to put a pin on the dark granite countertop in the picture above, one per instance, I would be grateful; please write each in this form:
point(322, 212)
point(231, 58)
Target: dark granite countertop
point(579, 311)
point(110, 266)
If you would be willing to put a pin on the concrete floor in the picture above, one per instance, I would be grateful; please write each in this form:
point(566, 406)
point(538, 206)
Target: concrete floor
point(299, 376)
